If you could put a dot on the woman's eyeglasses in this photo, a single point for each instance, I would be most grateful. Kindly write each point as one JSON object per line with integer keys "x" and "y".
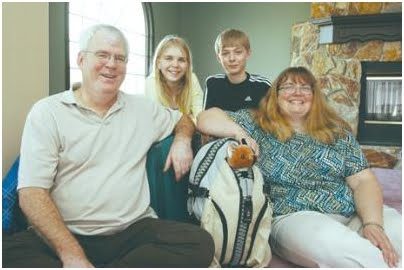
{"x": 292, "y": 88}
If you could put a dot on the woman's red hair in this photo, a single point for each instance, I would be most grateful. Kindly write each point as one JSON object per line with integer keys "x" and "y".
{"x": 322, "y": 123}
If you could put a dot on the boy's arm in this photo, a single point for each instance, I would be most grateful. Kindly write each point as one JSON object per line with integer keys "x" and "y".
{"x": 217, "y": 123}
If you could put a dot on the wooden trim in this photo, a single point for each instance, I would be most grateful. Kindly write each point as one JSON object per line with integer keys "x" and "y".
{"x": 341, "y": 29}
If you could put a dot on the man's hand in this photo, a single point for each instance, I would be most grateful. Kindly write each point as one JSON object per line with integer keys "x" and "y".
{"x": 180, "y": 157}
{"x": 44, "y": 216}
{"x": 77, "y": 263}
{"x": 379, "y": 239}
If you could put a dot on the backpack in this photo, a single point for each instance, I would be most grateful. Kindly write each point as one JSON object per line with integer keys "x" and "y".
{"x": 232, "y": 206}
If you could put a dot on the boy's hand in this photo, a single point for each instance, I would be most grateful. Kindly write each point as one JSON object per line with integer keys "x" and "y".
{"x": 241, "y": 134}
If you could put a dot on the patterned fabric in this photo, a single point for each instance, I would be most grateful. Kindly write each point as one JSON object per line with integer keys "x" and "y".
{"x": 305, "y": 174}
{"x": 9, "y": 194}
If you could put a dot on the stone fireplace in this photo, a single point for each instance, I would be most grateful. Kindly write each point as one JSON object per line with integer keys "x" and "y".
{"x": 338, "y": 65}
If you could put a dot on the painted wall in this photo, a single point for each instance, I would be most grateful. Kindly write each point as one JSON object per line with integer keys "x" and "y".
{"x": 267, "y": 24}
{"x": 25, "y": 70}
{"x": 166, "y": 19}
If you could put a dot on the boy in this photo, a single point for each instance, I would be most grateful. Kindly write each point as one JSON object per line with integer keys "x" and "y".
{"x": 236, "y": 89}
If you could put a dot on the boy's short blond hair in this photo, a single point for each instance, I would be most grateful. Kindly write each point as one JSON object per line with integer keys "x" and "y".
{"x": 231, "y": 38}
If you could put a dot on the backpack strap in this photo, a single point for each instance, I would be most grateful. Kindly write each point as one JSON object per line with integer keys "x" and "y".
{"x": 266, "y": 188}
{"x": 204, "y": 166}
{"x": 197, "y": 191}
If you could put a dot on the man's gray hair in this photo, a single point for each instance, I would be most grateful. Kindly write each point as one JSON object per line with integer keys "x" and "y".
{"x": 88, "y": 34}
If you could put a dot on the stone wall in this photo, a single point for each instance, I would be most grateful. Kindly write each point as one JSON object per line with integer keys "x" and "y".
{"x": 322, "y": 9}
{"x": 338, "y": 66}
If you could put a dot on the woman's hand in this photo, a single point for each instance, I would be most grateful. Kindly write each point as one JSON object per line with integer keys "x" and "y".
{"x": 368, "y": 198}
{"x": 378, "y": 238}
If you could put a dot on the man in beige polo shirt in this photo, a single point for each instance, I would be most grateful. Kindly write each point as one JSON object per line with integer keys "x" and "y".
{"x": 82, "y": 179}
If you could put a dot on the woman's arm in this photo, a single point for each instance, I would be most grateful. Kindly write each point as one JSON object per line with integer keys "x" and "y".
{"x": 368, "y": 199}
{"x": 215, "y": 122}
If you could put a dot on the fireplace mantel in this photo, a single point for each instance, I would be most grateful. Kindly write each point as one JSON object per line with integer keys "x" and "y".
{"x": 341, "y": 29}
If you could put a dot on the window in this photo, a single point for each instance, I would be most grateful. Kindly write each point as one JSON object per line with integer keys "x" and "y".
{"x": 129, "y": 17}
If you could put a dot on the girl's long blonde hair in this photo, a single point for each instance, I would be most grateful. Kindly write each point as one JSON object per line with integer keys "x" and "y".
{"x": 184, "y": 98}
{"x": 322, "y": 123}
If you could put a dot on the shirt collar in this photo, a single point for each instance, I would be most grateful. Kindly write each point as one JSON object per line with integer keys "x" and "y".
{"x": 240, "y": 83}
{"x": 69, "y": 98}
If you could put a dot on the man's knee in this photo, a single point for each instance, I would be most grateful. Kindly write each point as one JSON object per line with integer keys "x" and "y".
{"x": 203, "y": 255}
{"x": 195, "y": 243}
{"x": 202, "y": 249}
{"x": 25, "y": 249}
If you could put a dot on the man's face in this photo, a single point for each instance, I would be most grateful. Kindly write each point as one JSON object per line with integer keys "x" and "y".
{"x": 233, "y": 59}
{"x": 103, "y": 64}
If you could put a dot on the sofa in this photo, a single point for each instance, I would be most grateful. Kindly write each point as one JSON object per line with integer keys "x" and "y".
{"x": 391, "y": 182}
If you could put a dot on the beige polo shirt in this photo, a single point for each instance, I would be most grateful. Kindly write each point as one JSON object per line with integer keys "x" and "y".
{"x": 95, "y": 168}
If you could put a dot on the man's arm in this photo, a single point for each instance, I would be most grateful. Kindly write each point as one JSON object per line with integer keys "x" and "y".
{"x": 368, "y": 199}
{"x": 44, "y": 216}
{"x": 180, "y": 155}
{"x": 217, "y": 123}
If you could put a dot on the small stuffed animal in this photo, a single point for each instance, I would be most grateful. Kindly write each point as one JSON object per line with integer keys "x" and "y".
{"x": 240, "y": 156}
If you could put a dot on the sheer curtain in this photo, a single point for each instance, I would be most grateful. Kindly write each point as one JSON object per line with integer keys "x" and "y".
{"x": 384, "y": 98}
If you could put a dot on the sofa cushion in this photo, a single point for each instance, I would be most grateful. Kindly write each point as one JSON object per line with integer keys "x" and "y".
{"x": 9, "y": 194}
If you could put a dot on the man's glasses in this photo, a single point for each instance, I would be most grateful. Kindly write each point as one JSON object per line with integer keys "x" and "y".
{"x": 104, "y": 57}
{"x": 292, "y": 88}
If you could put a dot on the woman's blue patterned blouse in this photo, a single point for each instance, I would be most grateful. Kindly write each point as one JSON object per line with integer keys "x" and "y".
{"x": 303, "y": 173}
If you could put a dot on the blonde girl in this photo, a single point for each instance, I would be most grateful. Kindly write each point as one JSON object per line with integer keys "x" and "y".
{"x": 172, "y": 82}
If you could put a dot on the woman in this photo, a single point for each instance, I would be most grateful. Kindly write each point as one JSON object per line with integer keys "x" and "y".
{"x": 172, "y": 82}
{"x": 328, "y": 206}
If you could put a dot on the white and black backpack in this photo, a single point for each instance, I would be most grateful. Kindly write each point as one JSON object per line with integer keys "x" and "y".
{"x": 232, "y": 206}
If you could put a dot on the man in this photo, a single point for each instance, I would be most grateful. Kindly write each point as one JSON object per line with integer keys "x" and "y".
{"x": 82, "y": 179}
{"x": 236, "y": 89}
